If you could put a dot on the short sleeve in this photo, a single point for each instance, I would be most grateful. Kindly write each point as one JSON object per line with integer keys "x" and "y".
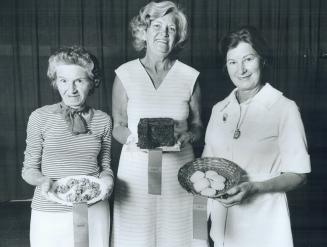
{"x": 292, "y": 141}
{"x": 208, "y": 150}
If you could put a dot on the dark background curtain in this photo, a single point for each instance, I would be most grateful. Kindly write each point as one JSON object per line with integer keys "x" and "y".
{"x": 296, "y": 29}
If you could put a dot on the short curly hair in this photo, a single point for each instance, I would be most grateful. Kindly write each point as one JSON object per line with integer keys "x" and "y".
{"x": 152, "y": 11}
{"x": 250, "y": 35}
{"x": 75, "y": 55}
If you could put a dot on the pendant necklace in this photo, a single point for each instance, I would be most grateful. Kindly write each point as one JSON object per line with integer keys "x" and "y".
{"x": 237, "y": 132}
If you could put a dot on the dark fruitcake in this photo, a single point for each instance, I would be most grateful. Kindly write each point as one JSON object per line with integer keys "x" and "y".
{"x": 155, "y": 132}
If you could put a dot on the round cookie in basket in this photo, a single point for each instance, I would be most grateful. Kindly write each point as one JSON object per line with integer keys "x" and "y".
{"x": 209, "y": 177}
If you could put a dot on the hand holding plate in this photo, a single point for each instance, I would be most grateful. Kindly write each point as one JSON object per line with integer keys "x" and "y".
{"x": 108, "y": 186}
{"x": 46, "y": 186}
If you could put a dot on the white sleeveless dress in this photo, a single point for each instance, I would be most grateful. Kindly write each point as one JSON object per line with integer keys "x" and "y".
{"x": 140, "y": 219}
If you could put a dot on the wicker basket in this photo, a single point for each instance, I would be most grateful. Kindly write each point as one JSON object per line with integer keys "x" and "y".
{"x": 223, "y": 167}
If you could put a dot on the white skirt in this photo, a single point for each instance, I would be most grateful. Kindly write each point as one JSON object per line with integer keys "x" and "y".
{"x": 53, "y": 229}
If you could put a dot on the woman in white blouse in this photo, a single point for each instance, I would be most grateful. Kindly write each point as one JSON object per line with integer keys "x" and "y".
{"x": 261, "y": 130}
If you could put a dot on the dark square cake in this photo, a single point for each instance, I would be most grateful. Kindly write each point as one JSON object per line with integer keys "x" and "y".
{"x": 155, "y": 132}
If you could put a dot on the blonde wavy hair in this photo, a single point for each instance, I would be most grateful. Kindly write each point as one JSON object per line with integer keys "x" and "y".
{"x": 153, "y": 10}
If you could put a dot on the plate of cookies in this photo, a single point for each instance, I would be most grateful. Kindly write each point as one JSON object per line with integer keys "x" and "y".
{"x": 76, "y": 189}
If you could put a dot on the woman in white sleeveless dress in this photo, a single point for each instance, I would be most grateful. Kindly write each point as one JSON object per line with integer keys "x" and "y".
{"x": 156, "y": 85}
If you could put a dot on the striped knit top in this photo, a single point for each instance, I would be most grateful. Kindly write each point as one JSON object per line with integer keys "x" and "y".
{"x": 171, "y": 99}
{"x": 52, "y": 149}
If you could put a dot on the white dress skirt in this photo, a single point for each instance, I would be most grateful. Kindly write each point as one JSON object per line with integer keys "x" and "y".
{"x": 54, "y": 229}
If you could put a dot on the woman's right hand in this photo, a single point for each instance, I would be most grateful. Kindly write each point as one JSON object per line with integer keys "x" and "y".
{"x": 131, "y": 143}
{"x": 237, "y": 194}
{"x": 46, "y": 186}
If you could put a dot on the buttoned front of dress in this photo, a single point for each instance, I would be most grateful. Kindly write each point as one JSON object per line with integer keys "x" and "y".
{"x": 271, "y": 141}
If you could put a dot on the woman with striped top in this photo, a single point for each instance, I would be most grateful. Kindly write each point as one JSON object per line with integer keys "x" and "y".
{"x": 156, "y": 85}
{"x": 64, "y": 139}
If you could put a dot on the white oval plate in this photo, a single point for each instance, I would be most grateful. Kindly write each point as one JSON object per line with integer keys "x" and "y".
{"x": 60, "y": 197}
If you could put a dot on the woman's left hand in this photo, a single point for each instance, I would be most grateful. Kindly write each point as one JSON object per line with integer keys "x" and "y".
{"x": 108, "y": 186}
{"x": 185, "y": 137}
{"x": 237, "y": 194}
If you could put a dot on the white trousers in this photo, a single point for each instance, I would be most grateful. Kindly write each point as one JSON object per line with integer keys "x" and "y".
{"x": 54, "y": 229}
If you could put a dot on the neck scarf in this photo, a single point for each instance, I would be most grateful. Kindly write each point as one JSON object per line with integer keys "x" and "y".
{"x": 74, "y": 119}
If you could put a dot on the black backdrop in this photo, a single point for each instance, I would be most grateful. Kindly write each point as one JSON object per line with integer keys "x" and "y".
{"x": 296, "y": 30}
